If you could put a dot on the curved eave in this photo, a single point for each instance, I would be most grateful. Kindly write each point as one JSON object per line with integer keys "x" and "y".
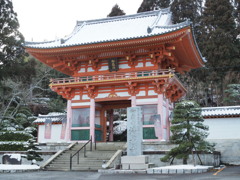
{"x": 183, "y": 39}
{"x": 187, "y": 50}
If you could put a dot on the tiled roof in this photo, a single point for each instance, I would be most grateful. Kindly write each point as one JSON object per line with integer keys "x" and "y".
{"x": 221, "y": 111}
{"x": 55, "y": 117}
{"x": 117, "y": 28}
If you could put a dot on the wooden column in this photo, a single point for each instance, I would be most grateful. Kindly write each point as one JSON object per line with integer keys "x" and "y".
{"x": 133, "y": 101}
{"x": 111, "y": 125}
{"x": 167, "y": 120}
{"x": 69, "y": 121}
{"x": 160, "y": 111}
{"x": 92, "y": 119}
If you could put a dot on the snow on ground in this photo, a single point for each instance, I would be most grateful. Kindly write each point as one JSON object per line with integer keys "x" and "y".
{"x": 18, "y": 167}
{"x": 188, "y": 166}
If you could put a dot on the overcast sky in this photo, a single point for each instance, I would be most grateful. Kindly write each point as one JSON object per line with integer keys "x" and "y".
{"x": 50, "y": 19}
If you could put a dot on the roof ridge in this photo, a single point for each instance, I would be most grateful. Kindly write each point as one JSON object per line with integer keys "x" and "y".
{"x": 110, "y": 19}
{"x": 221, "y": 107}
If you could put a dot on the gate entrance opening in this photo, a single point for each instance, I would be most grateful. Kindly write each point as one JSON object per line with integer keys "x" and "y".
{"x": 113, "y": 119}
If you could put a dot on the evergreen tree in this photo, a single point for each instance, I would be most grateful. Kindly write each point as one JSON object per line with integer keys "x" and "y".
{"x": 188, "y": 132}
{"x": 10, "y": 37}
{"x": 116, "y": 11}
{"x": 150, "y": 5}
{"x": 32, "y": 153}
{"x": 186, "y": 9}
{"x": 219, "y": 44}
{"x": 237, "y": 15}
{"x": 233, "y": 94}
{"x": 219, "y": 33}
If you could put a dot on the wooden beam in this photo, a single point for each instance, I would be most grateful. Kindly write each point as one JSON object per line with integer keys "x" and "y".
{"x": 58, "y": 64}
{"x": 171, "y": 48}
{"x": 51, "y": 61}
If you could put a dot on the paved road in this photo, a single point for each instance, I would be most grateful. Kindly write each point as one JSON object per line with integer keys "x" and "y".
{"x": 229, "y": 173}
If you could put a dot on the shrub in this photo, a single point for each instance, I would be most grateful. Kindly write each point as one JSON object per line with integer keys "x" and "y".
{"x": 15, "y": 136}
{"x": 12, "y": 146}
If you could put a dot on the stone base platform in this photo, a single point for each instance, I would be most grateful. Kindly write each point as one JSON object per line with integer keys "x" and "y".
{"x": 161, "y": 170}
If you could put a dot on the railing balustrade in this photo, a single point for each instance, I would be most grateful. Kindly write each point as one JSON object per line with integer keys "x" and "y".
{"x": 111, "y": 76}
{"x": 84, "y": 148}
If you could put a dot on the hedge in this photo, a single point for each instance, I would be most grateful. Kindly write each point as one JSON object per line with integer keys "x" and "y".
{"x": 15, "y": 136}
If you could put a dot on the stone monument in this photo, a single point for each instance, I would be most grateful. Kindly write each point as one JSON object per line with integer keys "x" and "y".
{"x": 134, "y": 158}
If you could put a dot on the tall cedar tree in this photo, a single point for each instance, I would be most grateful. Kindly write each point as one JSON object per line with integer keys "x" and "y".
{"x": 237, "y": 15}
{"x": 188, "y": 132}
{"x": 116, "y": 11}
{"x": 219, "y": 34}
{"x": 10, "y": 37}
{"x": 186, "y": 9}
{"x": 220, "y": 45}
{"x": 150, "y": 5}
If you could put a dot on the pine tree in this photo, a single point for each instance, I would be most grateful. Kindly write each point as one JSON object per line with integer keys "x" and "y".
{"x": 150, "y": 5}
{"x": 32, "y": 153}
{"x": 10, "y": 37}
{"x": 188, "y": 132}
{"x": 116, "y": 11}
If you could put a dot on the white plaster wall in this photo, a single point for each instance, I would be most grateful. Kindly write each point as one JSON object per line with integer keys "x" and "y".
{"x": 55, "y": 134}
{"x": 148, "y": 64}
{"x": 223, "y": 128}
{"x": 102, "y": 95}
{"x": 142, "y": 93}
{"x": 103, "y": 68}
{"x": 124, "y": 66}
{"x": 151, "y": 93}
{"x": 85, "y": 97}
{"x": 90, "y": 69}
{"x": 122, "y": 94}
{"x": 76, "y": 97}
{"x": 164, "y": 115}
{"x": 82, "y": 70}
{"x": 146, "y": 101}
{"x": 140, "y": 65}
{"x": 81, "y": 104}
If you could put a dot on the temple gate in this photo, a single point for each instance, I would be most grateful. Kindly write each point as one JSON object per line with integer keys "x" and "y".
{"x": 120, "y": 62}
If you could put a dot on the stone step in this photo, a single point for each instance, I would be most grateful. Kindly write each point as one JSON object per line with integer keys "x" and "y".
{"x": 80, "y": 163}
{"x": 81, "y": 160}
{"x": 76, "y": 166}
{"x": 93, "y": 160}
{"x": 73, "y": 169}
{"x": 88, "y": 161}
{"x": 88, "y": 155}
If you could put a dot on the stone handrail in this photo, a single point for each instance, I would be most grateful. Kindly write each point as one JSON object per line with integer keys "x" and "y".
{"x": 113, "y": 159}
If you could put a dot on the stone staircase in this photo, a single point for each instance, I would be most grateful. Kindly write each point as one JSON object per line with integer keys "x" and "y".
{"x": 93, "y": 160}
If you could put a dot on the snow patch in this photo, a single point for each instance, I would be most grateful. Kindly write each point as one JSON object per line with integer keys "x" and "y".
{"x": 14, "y": 156}
{"x": 119, "y": 127}
{"x": 18, "y": 167}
